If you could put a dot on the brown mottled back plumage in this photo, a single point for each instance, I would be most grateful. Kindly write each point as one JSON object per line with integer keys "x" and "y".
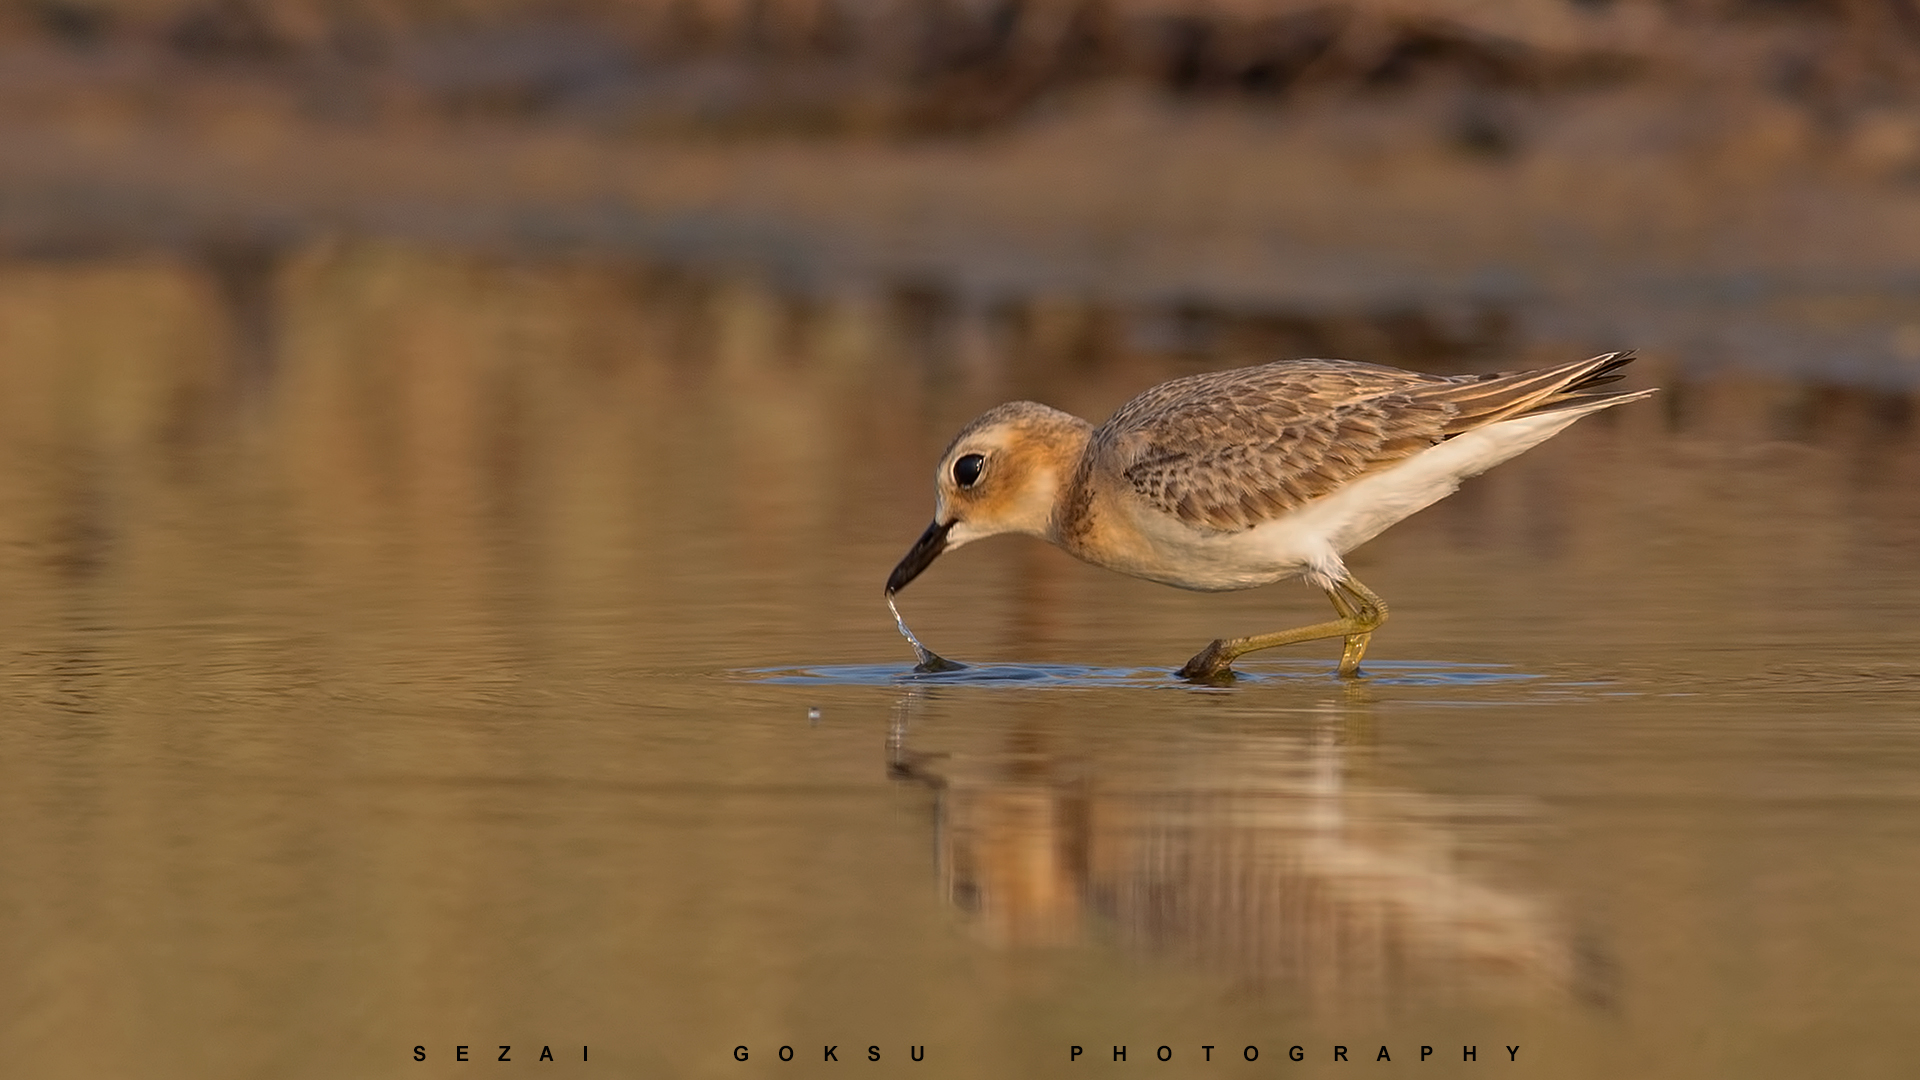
{"x": 1229, "y": 450}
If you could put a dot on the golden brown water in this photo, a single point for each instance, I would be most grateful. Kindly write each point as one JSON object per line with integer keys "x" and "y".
{"x": 441, "y": 650}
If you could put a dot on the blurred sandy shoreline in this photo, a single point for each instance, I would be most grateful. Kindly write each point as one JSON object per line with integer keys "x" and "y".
{"x": 1650, "y": 204}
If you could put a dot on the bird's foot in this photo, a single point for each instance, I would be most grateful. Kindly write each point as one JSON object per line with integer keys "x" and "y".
{"x": 1211, "y": 665}
{"x": 1350, "y": 654}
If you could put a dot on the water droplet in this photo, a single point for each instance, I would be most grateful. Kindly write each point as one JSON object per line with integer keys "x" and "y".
{"x": 930, "y": 661}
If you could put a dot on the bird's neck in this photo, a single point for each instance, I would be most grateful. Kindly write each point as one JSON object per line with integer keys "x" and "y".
{"x": 1070, "y": 505}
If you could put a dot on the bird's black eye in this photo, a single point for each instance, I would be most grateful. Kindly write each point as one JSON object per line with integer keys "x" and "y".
{"x": 966, "y": 469}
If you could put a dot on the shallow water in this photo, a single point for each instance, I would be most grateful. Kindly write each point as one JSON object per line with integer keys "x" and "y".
{"x": 442, "y": 650}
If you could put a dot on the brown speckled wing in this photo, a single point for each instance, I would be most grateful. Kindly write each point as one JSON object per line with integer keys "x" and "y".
{"x": 1229, "y": 450}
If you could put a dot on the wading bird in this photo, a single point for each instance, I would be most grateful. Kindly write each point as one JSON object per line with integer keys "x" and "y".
{"x": 1234, "y": 479}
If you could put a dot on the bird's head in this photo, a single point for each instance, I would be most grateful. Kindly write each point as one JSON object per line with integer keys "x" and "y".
{"x": 1001, "y": 474}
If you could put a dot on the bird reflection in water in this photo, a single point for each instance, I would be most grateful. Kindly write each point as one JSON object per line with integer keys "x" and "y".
{"x": 1262, "y": 856}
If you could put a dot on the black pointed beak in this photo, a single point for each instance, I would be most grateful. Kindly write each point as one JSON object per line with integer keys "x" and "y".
{"x": 919, "y": 557}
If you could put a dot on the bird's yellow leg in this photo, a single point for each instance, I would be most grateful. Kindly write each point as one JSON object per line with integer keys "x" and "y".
{"x": 1356, "y": 644}
{"x": 1363, "y": 606}
{"x": 1361, "y": 613}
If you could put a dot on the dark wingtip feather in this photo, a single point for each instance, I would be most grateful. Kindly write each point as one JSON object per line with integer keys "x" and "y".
{"x": 1608, "y": 370}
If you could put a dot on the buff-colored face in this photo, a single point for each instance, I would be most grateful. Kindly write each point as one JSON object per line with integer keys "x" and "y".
{"x": 1000, "y": 475}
